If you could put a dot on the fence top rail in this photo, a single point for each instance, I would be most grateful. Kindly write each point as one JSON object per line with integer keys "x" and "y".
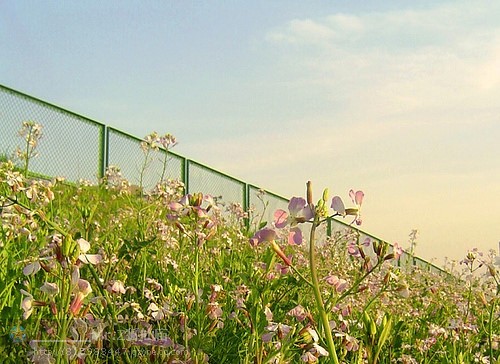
{"x": 190, "y": 161}
{"x": 126, "y": 135}
{"x": 54, "y": 106}
{"x": 269, "y": 192}
{"x": 379, "y": 239}
{"x": 137, "y": 139}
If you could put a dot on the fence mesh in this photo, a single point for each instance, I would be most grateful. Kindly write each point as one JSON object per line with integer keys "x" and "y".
{"x": 79, "y": 148}
{"x": 70, "y": 145}
{"x": 222, "y": 187}
{"x": 262, "y": 205}
{"x": 124, "y": 151}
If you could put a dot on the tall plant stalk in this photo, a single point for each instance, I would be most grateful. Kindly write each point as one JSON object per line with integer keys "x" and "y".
{"x": 315, "y": 283}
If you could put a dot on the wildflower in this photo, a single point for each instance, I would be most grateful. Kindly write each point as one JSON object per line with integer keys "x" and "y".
{"x": 299, "y": 212}
{"x": 339, "y": 207}
{"x": 268, "y": 235}
{"x": 27, "y": 304}
{"x": 308, "y": 335}
{"x": 397, "y": 251}
{"x": 312, "y": 355}
{"x": 264, "y": 235}
{"x": 115, "y": 287}
{"x": 155, "y": 312}
{"x": 478, "y": 358}
{"x": 402, "y": 290}
{"x": 87, "y": 258}
{"x": 51, "y": 289}
{"x": 214, "y": 311}
{"x": 31, "y": 268}
{"x": 350, "y": 343}
{"x": 298, "y": 312}
{"x": 155, "y": 284}
{"x": 276, "y": 329}
{"x": 82, "y": 290}
{"x": 150, "y": 142}
{"x": 167, "y": 141}
{"x": 282, "y": 268}
{"x": 339, "y": 284}
{"x": 353, "y": 249}
{"x": 14, "y": 179}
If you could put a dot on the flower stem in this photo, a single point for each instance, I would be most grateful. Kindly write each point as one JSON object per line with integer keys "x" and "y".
{"x": 317, "y": 294}
{"x": 27, "y": 155}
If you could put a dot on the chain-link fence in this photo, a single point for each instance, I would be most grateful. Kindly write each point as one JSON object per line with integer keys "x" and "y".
{"x": 70, "y": 144}
{"x": 141, "y": 167}
{"x": 75, "y": 147}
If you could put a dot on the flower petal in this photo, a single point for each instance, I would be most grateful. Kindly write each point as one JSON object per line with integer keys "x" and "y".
{"x": 295, "y": 236}
{"x": 352, "y": 195}
{"x": 50, "y": 288}
{"x": 338, "y": 205}
{"x": 307, "y": 213}
{"x": 84, "y": 245}
{"x": 358, "y": 198}
{"x": 296, "y": 204}
{"x": 280, "y": 218}
{"x": 90, "y": 258}
{"x": 31, "y": 268}
{"x": 265, "y": 234}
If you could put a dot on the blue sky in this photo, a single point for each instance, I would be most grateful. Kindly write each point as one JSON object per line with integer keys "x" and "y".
{"x": 398, "y": 98}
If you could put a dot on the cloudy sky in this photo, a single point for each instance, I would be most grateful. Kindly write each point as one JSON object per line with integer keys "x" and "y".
{"x": 398, "y": 98}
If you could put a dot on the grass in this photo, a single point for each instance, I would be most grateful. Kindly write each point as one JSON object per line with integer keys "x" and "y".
{"x": 181, "y": 282}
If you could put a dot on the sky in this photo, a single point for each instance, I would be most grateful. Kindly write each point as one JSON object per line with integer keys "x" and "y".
{"x": 400, "y": 99}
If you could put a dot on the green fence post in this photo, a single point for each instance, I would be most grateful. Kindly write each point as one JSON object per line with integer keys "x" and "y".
{"x": 103, "y": 152}
{"x": 246, "y": 203}
{"x": 106, "y": 153}
{"x": 186, "y": 175}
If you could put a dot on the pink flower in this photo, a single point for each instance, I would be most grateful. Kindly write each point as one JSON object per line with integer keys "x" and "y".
{"x": 82, "y": 290}
{"x": 27, "y": 304}
{"x": 264, "y": 235}
{"x": 298, "y": 312}
{"x": 397, "y": 251}
{"x": 85, "y": 258}
{"x": 115, "y": 287}
{"x": 299, "y": 212}
{"x": 276, "y": 329}
{"x": 353, "y": 249}
{"x": 339, "y": 284}
{"x": 339, "y": 207}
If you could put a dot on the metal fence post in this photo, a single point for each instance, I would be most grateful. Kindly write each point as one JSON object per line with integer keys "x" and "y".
{"x": 103, "y": 152}
{"x": 329, "y": 227}
{"x": 185, "y": 175}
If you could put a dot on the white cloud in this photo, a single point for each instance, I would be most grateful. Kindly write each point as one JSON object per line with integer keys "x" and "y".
{"x": 409, "y": 110}
{"x": 303, "y": 31}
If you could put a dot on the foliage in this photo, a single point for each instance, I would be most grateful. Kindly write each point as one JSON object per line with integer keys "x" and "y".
{"x": 106, "y": 273}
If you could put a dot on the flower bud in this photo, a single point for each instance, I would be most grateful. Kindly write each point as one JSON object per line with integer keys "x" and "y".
{"x": 482, "y": 297}
{"x": 53, "y": 308}
{"x": 352, "y": 211}
{"x": 325, "y": 195}
{"x": 389, "y": 256}
{"x": 280, "y": 253}
{"x": 492, "y": 270}
{"x": 309, "y": 193}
